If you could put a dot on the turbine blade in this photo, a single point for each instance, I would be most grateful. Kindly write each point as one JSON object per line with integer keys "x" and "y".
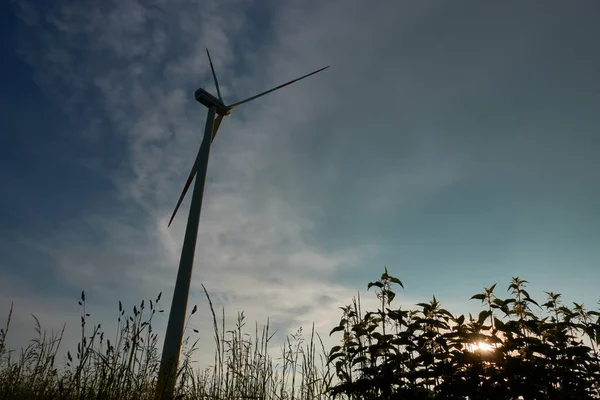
{"x": 214, "y": 76}
{"x": 185, "y": 189}
{"x": 216, "y": 126}
{"x": 239, "y": 103}
{"x": 202, "y": 151}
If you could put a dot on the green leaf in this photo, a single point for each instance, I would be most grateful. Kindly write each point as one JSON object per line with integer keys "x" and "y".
{"x": 336, "y": 329}
{"x": 529, "y": 299}
{"x": 390, "y": 296}
{"x": 371, "y": 284}
{"x": 483, "y": 315}
{"x": 499, "y": 303}
{"x": 334, "y": 356}
{"x": 479, "y": 296}
{"x": 498, "y": 324}
{"x": 334, "y": 349}
{"x": 393, "y": 279}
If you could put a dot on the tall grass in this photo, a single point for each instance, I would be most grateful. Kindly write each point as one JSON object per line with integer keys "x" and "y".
{"x": 532, "y": 351}
{"x": 125, "y": 366}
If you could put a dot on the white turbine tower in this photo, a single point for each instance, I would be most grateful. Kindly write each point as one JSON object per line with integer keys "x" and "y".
{"x": 175, "y": 327}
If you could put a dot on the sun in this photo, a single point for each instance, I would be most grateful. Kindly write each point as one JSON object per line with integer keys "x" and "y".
{"x": 482, "y": 346}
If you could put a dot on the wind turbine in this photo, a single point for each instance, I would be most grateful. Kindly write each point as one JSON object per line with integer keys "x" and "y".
{"x": 175, "y": 327}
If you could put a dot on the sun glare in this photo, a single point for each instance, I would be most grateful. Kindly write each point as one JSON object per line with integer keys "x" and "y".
{"x": 480, "y": 346}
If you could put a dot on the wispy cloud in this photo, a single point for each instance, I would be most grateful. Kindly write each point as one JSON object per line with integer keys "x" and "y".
{"x": 327, "y": 179}
{"x": 132, "y": 66}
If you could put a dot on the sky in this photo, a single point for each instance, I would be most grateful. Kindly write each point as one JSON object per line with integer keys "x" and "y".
{"x": 455, "y": 143}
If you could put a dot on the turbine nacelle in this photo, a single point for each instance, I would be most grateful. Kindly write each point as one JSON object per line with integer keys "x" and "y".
{"x": 208, "y": 100}
{"x": 222, "y": 110}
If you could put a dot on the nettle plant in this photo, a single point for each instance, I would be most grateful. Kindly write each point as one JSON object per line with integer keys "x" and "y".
{"x": 515, "y": 348}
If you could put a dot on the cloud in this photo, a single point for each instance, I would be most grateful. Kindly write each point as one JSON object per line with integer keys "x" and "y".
{"x": 260, "y": 245}
{"x": 305, "y": 185}
{"x": 133, "y": 68}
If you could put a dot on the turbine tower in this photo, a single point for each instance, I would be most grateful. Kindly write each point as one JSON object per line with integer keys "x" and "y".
{"x": 175, "y": 327}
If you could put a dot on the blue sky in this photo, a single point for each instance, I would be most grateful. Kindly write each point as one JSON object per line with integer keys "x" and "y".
{"x": 455, "y": 143}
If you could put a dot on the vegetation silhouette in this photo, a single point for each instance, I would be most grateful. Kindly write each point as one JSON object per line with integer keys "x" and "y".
{"x": 508, "y": 351}
{"x": 515, "y": 348}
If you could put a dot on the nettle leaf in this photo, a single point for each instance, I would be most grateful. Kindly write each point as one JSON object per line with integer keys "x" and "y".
{"x": 479, "y": 296}
{"x": 549, "y": 304}
{"x": 334, "y": 349}
{"x": 339, "y": 367}
{"x": 530, "y": 300}
{"x": 499, "y": 302}
{"x": 378, "y": 284}
{"x": 498, "y": 323}
{"x": 483, "y": 315}
{"x": 390, "y": 296}
{"x": 336, "y": 329}
{"x": 393, "y": 279}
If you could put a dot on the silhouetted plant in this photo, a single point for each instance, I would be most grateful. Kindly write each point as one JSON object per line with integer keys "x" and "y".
{"x": 126, "y": 367}
{"x": 507, "y": 351}
{"x": 514, "y": 348}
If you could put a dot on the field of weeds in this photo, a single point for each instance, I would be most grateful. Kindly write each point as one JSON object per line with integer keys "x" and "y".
{"x": 515, "y": 348}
